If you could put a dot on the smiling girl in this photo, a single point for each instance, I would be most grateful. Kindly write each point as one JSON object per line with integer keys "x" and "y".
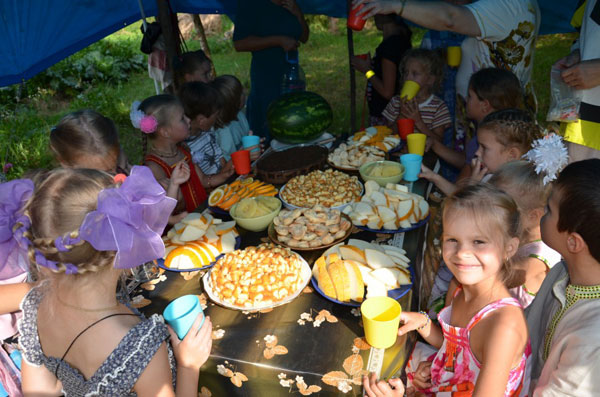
{"x": 481, "y": 347}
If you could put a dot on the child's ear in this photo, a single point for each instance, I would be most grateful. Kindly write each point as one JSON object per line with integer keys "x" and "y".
{"x": 512, "y": 246}
{"x": 576, "y": 243}
{"x": 514, "y": 153}
{"x": 536, "y": 214}
{"x": 487, "y": 107}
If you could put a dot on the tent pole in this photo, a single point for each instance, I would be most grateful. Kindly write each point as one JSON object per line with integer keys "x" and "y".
{"x": 352, "y": 75}
{"x": 203, "y": 41}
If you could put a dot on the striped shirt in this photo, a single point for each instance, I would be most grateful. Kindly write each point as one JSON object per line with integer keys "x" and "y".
{"x": 434, "y": 112}
{"x": 206, "y": 153}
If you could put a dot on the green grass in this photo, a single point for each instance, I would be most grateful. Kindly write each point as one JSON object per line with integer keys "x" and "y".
{"x": 24, "y": 127}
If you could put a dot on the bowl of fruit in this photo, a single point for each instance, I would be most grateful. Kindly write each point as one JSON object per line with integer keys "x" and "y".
{"x": 382, "y": 172}
{"x": 255, "y": 213}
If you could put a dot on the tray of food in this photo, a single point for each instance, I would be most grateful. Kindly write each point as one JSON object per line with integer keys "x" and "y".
{"x": 330, "y": 188}
{"x": 389, "y": 209}
{"x": 197, "y": 241}
{"x": 348, "y": 274}
{"x": 280, "y": 167}
{"x": 310, "y": 229}
{"x": 348, "y": 157}
{"x": 380, "y": 136}
{"x": 257, "y": 278}
{"x": 225, "y": 196}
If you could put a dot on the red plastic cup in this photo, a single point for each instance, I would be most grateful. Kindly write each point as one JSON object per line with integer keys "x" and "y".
{"x": 363, "y": 56}
{"x": 405, "y": 127}
{"x": 355, "y": 22}
{"x": 241, "y": 162}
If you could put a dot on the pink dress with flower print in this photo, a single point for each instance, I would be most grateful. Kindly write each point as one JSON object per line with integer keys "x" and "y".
{"x": 455, "y": 369}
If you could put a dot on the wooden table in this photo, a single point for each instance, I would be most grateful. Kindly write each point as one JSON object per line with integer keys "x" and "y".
{"x": 310, "y": 337}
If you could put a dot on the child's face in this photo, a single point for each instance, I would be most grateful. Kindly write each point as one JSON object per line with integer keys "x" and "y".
{"x": 471, "y": 255}
{"x": 549, "y": 224}
{"x": 179, "y": 126}
{"x": 491, "y": 152}
{"x": 416, "y": 71}
{"x": 202, "y": 74}
{"x": 203, "y": 123}
{"x": 477, "y": 108}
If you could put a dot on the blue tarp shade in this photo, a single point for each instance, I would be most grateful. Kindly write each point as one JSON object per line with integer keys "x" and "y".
{"x": 38, "y": 33}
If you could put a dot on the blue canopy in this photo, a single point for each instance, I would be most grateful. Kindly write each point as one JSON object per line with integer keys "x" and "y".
{"x": 38, "y": 33}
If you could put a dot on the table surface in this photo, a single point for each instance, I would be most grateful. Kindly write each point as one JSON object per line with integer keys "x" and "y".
{"x": 264, "y": 353}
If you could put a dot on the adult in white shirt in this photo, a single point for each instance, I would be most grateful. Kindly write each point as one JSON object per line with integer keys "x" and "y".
{"x": 501, "y": 33}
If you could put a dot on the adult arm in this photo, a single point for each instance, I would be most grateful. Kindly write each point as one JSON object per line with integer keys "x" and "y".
{"x": 436, "y": 15}
{"x": 296, "y": 11}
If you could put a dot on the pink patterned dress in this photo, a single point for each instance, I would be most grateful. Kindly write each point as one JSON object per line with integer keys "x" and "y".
{"x": 455, "y": 369}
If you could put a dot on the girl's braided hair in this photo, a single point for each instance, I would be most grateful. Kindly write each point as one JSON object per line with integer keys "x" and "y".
{"x": 512, "y": 128}
{"x": 62, "y": 199}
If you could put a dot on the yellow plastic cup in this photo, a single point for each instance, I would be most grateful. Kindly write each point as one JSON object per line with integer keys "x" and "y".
{"x": 409, "y": 89}
{"x": 381, "y": 319}
{"x": 453, "y": 56}
{"x": 416, "y": 143}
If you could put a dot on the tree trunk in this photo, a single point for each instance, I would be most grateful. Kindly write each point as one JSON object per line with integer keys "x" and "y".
{"x": 166, "y": 24}
{"x": 352, "y": 75}
{"x": 203, "y": 42}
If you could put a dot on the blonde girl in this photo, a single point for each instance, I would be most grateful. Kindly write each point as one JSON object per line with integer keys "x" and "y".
{"x": 481, "y": 347}
{"x": 81, "y": 229}
{"x": 429, "y": 111}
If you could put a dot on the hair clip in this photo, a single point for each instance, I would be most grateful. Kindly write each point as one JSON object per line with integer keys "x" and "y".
{"x": 119, "y": 178}
{"x": 549, "y": 155}
{"x": 140, "y": 120}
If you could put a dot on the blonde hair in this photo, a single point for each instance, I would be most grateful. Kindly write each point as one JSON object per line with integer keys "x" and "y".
{"x": 431, "y": 59}
{"x": 161, "y": 107}
{"x": 62, "y": 199}
{"x": 512, "y": 128}
{"x": 521, "y": 177}
{"x": 494, "y": 212}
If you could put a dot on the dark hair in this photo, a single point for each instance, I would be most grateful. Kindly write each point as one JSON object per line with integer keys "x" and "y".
{"x": 159, "y": 106}
{"x": 82, "y": 133}
{"x": 512, "y": 128}
{"x": 199, "y": 98}
{"x": 500, "y": 87}
{"x": 230, "y": 90}
{"x": 579, "y": 207}
{"x": 431, "y": 59}
{"x": 187, "y": 63}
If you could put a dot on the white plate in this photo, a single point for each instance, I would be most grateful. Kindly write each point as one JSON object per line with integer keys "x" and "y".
{"x": 337, "y": 207}
{"x": 279, "y": 146}
{"x": 306, "y": 275}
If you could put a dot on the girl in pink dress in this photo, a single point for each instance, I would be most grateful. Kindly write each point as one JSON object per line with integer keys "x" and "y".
{"x": 481, "y": 347}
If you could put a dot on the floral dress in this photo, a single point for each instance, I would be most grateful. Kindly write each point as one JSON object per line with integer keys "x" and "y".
{"x": 455, "y": 368}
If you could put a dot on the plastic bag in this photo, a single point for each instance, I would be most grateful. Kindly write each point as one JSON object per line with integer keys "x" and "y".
{"x": 564, "y": 100}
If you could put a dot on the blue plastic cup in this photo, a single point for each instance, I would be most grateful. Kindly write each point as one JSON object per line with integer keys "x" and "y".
{"x": 412, "y": 166}
{"x": 251, "y": 140}
{"x": 181, "y": 314}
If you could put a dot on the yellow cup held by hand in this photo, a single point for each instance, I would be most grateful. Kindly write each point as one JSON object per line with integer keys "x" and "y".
{"x": 381, "y": 319}
{"x": 416, "y": 143}
{"x": 410, "y": 89}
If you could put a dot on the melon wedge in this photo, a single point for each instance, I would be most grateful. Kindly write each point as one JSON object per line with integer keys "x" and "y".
{"x": 324, "y": 280}
{"x": 424, "y": 207}
{"x": 341, "y": 282}
{"x": 224, "y": 227}
{"x": 191, "y": 233}
{"x": 350, "y": 252}
{"x": 194, "y": 219}
{"x": 404, "y": 209}
{"x": 356, "y": 284}
{"x": 227, "y": 242}
{"x": 377, "y": 259}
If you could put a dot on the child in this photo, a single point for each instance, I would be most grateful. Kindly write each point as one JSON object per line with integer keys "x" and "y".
{"x": 231, "y": 122}
{"x": 201, "y": 104}
{"x": 429, "y": 112}
{"x": 503, "y": 136}
{"x": 564, "y": 318}
{"x": 163, "y": 123}
{"x": 77, "y": 302}
{"x": 534, "y": 259}
{"x": 191, "y": 66}
{"x": 483, "y": 343}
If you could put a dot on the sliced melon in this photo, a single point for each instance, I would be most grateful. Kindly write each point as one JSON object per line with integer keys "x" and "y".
{"x": 227, "y": 242}
{"x": 357, "y": 286}
{"x": 191, "y": 233}
{"x": 377, "y": 259}
{"x": 350, "y": 252}
{"x": 224, "y": 227}
{"x": 324, "y": 280}
{"x": 341, "y": 282}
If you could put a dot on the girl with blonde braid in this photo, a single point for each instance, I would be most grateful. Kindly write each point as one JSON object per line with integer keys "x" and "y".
{"x": 81, "y": 229}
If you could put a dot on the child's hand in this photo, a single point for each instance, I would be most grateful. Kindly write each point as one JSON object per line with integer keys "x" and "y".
{"x": 362, "y": 65}
{"x": 374, "y": 388}
{"x": 173, "y": 219}
{"x": 193, "y": 351}
{"x": 410, "y": 110}
{"x": 228, "y": 168}
{"x": 479, "y": 170}
{"x": 427, "y": 173}
{"x": 411, "y": 321}
{"x": 422, "y": 375}
{"x": 181, "y": 173}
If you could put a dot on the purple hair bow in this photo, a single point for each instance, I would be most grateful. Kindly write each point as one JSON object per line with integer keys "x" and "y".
{"x": 13, "y": 245}
{"x": 130, "y": 219}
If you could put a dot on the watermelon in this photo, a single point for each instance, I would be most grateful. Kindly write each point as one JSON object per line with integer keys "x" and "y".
{"x": 299, "y": 117}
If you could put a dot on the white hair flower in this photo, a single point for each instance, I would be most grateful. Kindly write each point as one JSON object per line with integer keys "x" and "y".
{"x": 549, "y": 155}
